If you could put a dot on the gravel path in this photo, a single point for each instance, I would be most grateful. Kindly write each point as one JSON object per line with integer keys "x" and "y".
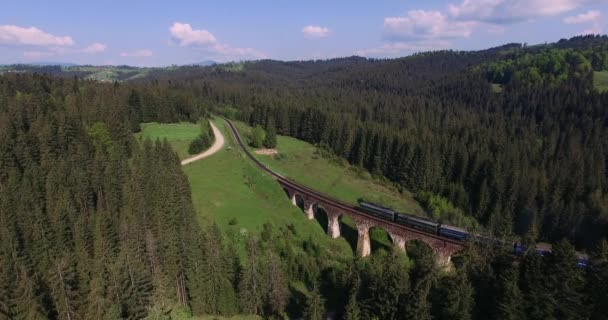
{"x": 217, "y": 145}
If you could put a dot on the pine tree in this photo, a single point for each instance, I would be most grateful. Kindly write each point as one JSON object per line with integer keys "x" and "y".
{"x": 270, "y": 141}
{"x": 278, "y": 295}
{"x": 250, "y": 286}
{"x": 315, "y": 304}
{"x": 352, "y": 310}
{"x": 257, "y": 137}
{"x": 598, "y": 281}
{"x": 566, "y": 279}
{"x": 64, "y": 287}
{"x": 454, "y": 297}
{"x": 27, "y": 305}
{"x": 510, "y": 300}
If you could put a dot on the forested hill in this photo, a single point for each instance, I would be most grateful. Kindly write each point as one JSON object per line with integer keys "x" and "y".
{"x": 515, "y": 136}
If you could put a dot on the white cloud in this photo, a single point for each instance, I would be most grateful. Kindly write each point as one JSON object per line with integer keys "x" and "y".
{"x": 59, "y": 51}
{"x": 94, "y": 48}
{"x": 399, "y": 48}
{"x": 421, "y": 24}
{"x": 510, "y": 11}
{"x": 31, "y": 36}
{"x": 186, "y": 36}
{"x": 313, "y": 32}
{"x": 589, "y": 16}
{"x": 593, "y": 17}
{"x": 138, "y": 54}
{"x": 204, "y": 40}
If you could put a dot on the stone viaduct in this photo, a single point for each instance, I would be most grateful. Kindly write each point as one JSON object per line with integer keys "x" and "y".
{"x": 444, "y": 248}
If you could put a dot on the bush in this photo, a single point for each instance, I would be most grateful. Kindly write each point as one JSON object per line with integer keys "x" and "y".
{"x": 203, "y": 141}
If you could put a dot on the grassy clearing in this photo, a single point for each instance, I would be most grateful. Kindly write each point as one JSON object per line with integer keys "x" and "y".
{"x": 297, "y": 160}
{"x": 178, "y": 135}
{"x": 600, "y": 80}
{"x": 228, "y": 188}
{"x": 496, "y": 87}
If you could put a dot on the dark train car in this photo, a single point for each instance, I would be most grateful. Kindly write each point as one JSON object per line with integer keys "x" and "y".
{"x": 377, "y": 210}
{"x": 582, "y": 262}
{"x": 417, "y": 223}
{"x": 453, "y": 232}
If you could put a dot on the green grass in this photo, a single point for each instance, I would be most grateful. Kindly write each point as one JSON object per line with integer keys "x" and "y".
{"x": 600, "y": 80}
{"x": 496, "y": 87}
{"x": 298, "y": 161}
{"x": 178, "y": 135}
{"x": 227, "y": 186}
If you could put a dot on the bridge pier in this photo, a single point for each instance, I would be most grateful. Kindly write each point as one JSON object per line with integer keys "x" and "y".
{"x": 309, "y": 209}
{"x": 292, "y": 197}
{"x": 333, "y": 224}
{"x": 364, "y": 248}
{"x": 398, "y": 241}
{"x": 444, "y": 252}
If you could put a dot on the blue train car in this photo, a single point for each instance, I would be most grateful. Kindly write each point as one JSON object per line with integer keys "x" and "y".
{"x": 417, "y": 223}
{"x": 377, "y": 210}
{"x": 453, "y": 232}
{"x": 582, "y": 263}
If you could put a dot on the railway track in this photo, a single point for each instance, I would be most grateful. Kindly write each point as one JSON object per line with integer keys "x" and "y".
{"x": 325, "y": 198}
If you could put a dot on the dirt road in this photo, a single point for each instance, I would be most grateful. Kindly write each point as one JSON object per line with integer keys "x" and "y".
{"x": 217, "y": 145}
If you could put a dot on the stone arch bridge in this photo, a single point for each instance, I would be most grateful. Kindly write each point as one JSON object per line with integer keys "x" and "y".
{"x": 443, "y": 247}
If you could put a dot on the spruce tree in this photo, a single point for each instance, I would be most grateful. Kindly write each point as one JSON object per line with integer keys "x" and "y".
{"x": 250, "y": 285}
{"x": 27, "y": 305}
{"x": 315, "y": 304}
{"x": 510, "y": 300}
{"x": 278, "y": 295}
{"x": 257, "y": 137}
{"x": 352, "y": 310}
{"x": 270, "y": 141}
{"x": 597, "y": 280}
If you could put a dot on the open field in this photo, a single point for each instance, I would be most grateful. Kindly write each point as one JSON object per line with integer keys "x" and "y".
{"x": 178, "y": 135}
{"x": 600, "y": 80}
{"x": 297, "y": 160}
{"x": 229, "y": 190}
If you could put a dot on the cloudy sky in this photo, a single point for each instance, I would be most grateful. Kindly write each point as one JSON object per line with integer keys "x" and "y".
{"x": 157, "y": 33}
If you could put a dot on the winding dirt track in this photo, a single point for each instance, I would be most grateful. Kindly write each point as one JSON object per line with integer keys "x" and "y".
{"x": 217, "y": 145}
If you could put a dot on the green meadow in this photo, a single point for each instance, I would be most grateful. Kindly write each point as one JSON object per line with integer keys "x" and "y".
{"x": 600, "y": 80}
{"x": 178, "y": 135}
{"x": 299, "y": 160}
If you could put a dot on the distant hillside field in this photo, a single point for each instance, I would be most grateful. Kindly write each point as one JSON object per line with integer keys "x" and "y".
{"x": 600, "y": 80}
{"x": 179, "y": 135}
{"x": 299, "y": 160}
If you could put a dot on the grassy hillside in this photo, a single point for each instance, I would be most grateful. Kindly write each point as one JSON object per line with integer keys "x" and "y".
{"x": 600, "y": 80}
{"x": 229, "y": 190}
{"x": 298, "y": 160}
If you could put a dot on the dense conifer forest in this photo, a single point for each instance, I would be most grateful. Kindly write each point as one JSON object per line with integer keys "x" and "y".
{"x": 95, "y": 224}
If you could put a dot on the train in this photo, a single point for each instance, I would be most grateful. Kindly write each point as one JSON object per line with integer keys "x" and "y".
{"x": 415, "y": 222}
{"x": 447, "y": 231}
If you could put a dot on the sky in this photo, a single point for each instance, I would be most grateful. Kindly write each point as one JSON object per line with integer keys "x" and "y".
{"x": 161, "y": 33}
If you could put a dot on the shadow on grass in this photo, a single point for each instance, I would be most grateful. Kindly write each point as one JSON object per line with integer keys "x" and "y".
{"x": 348, "y": 231}
{"x": 379, "y": 239}
{"x": 321, "y": 217}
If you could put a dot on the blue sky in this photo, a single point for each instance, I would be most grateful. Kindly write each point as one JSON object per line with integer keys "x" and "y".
{"x": 158, "y": 33}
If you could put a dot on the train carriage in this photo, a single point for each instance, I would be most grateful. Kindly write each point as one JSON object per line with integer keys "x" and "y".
{"x": 453, "y": 232}
{"x": 417, "y": 223}
{"x": 377, "y": 210}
